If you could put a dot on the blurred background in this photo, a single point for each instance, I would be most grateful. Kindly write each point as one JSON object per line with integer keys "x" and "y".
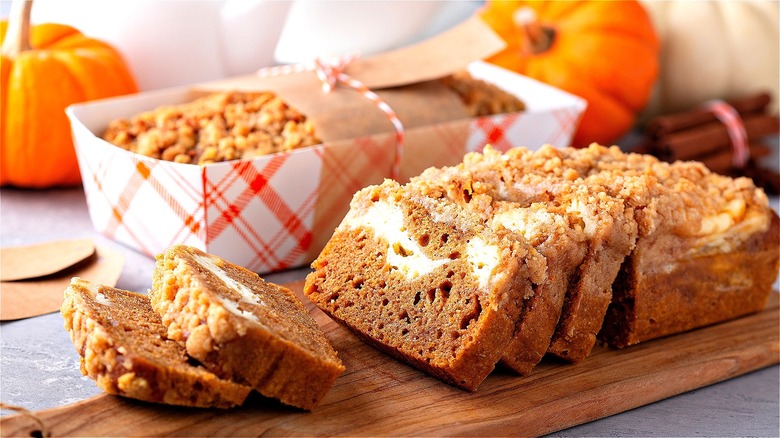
{"x": 707, "y": 49}
{"x": 632, "y": 61}
{"x": 177, "y": 42}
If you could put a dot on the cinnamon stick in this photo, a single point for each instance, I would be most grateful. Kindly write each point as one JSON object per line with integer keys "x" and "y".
{"x": 721, "y": 162}
{"x": 667, "y": 124}
{"x": 711, "y": 137}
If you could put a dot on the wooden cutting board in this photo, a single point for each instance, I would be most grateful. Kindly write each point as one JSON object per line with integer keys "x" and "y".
{"x": 380, "y": 396}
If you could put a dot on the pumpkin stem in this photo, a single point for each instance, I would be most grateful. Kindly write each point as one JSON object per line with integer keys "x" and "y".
{"x": 17, "y": 35}
{"x": 538, "y": 38}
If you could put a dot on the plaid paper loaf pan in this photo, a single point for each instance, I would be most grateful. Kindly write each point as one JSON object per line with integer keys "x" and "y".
{"x": 277, "y": 212}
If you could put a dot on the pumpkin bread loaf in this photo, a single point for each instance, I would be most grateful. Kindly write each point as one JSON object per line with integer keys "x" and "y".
{"x": 544, "y": 207}
{"x": 243, "y": 328}
{"x": 123, "y": 346}
{"x": 425, "y": 280}
{"x": 646, "y": 248}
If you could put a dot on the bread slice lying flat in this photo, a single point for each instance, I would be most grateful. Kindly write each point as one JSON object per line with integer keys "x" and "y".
{"x": 123, "y": 346}
{"x": 243, "y": 328}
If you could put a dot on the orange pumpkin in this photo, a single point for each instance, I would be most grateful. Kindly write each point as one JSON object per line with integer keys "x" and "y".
{"x": 605, "y": 52}
{"x": 44, "y": 69}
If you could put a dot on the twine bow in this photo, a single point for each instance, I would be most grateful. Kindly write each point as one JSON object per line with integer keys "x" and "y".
{"x": 735, "y": 127}
{"x": 331, "y": 73}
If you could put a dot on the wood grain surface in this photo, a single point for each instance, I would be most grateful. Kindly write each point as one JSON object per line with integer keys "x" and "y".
{"x": 380, "y": 396}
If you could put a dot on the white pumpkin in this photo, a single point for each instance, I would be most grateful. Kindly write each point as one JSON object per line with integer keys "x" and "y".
{"x": 718, "y": 49}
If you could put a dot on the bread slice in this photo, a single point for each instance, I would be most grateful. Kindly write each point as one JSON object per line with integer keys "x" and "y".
{"x": 123, "y": 346}
{"x": 584, "y": 233}
{"x": 243, "y": 328}
{"x": 425, "y": 280}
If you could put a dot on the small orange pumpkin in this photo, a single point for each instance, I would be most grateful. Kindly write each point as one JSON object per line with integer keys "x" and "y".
{"x": 605, "y": 52}
{"x": 44, "y": 69}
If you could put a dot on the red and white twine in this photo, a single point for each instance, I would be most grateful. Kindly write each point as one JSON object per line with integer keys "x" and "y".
{"x": 331, "y": 73}
{"x": 730, "y": 118}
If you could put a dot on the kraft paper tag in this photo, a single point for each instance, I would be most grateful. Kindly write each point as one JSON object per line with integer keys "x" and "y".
{"x": 33, "y": 261}
{"x": 43, "y": 294}
{"x": 433, "y": 58}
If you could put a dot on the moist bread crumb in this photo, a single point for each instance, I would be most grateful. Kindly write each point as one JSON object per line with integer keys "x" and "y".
{"x": 123, "y": 346}
{"x": 243, "y": 328}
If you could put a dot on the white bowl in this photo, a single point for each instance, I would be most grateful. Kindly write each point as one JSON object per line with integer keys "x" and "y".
{"x": 331, "y": 28}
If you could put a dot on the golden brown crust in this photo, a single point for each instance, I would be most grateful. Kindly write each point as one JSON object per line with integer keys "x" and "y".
{"x": 123, "y": 347}
{"x": 678, "y": 197}
{"x": 263, "y": 337}
{"x": 243, "y": 125}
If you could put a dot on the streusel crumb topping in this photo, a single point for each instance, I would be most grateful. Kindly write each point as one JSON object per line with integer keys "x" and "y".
{"x": 218, "y": 127}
